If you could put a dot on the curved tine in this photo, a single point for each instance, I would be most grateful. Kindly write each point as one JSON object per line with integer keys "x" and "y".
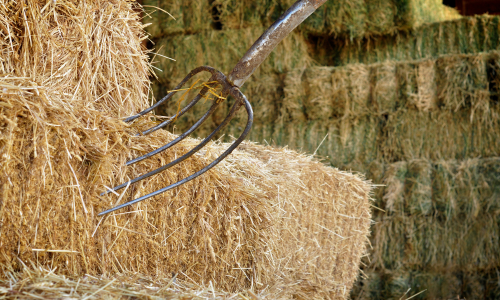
{"x": 179, "y": 114}
{"x": 228, "y": 118}
{"x": 248, "y": 108}
{"x": 188, "y": 76}
{"x": 178, "y": 139}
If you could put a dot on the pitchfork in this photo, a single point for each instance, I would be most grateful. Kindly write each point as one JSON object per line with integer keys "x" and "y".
{"x": 230, "y": 87}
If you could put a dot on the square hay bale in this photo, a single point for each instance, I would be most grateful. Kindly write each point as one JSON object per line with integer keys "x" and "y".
{"x": 383, "y": 78}
{"x": 351, "y": 90}
{"x": 439, "y": 135}
{"x": 468, "y": 35}
{"x": 466, "y": 189}
{"x": 394, "y": 191}
{"x": 493, "y": 73}
{"x": 462, "y": 83}
{"x": 418, "y": 191}
{"x": 353, "y": 140}
{"x": 381, "y": 16}
{"x": 319, "y": 102}
{"x": 263, "y": 219}
{"x": 222, "y": 49}
{"x": 294, "y": 97}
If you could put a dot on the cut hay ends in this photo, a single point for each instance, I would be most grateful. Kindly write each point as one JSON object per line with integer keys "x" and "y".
{"x": 264, "y": 219}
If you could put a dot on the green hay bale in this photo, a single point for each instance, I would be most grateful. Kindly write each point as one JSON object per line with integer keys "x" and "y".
{"x": 406, "y": 84}
{"x": 414, "y": 13}
{"x": 462, "y": 83}
{"x": 294, "y": 97}
{"x": 353, "y": 141}
{"x": 462, "y": 36}
{"x": 493, "y": 74}
{"x": 324, "y": 93}
{"x": 437, "y": 285}
{"x": 439, "y": 135}
{"x": 358, "y": 79}
{"x": 418, "y": 191}
{"x": 466, "y": 189}
{"x": 426, "y": 98}
{"x": 222, "y": 50}
{"x": 394, "y": 191}
{"x": 381, "y": 16}
{"x": 417, "y": 85}
{"x": 425, "y": 243}
{"x": 319, "y": 101}
{"x": 235, "y": 14}
{"x": 383, "y": 78}
{"x": 190, "y": 16}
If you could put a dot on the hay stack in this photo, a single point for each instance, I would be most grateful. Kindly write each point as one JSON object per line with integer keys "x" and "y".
{"x": 468, "y": 35}
{"x": 352, "y": 19}
{"x": 263, "y": 219}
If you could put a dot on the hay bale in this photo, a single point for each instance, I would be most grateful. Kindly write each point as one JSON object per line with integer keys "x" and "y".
{"x": 353, "y": 140}
{"x": 262, "y": 219}
{"x": 440, "y": 216}
{"x": 351, "y": 19}
{"x": 463, "y": 84}
{"x": 177, "y": 17}
{"x": 435, "y": 285}
{"x": 294, "y": 97}
{"x": 222, "y": 50}
{"x": 461, "y": 36}
{"x": 439, "y": 135}
{"x": 383, "y": 78}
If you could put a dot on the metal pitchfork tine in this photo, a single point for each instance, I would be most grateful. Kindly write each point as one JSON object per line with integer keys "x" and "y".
{"x": 231, "y": 85}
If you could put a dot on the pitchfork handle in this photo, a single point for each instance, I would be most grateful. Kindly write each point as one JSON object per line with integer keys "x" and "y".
{"x": 270, "y": 38}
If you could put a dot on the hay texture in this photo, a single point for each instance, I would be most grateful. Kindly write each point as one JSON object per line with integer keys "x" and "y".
{"x": 347, "y": 18}
{"x": 468, "y": 35}
{"x": 264, "y": 219}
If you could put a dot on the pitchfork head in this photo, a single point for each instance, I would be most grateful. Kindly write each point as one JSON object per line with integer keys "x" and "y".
{"x": 217, "y": 79}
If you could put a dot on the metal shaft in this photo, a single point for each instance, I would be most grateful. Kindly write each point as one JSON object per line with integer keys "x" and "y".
{"x": 261, "y": 49}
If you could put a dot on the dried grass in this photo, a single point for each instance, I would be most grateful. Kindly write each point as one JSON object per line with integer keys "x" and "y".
{"x": 468, "y": 35}
{"x": 264, "y": 219}
{"x": 352, "y": 19}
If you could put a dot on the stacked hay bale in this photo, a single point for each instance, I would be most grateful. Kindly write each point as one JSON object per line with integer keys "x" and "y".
{"x": 417, "y": 109}
{"x": 260, "y": 220}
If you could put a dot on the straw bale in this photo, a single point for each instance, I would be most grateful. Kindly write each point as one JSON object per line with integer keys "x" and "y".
{"x": 264, "y": 218}
{"x": 463, "y": 83}
{"x": 46, "y": 284}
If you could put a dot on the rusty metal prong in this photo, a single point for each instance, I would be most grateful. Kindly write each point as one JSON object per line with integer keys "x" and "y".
{"x": 175, "y": 90}
{"x": 178, "y": 139}
{"x": 240, "y": 100}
